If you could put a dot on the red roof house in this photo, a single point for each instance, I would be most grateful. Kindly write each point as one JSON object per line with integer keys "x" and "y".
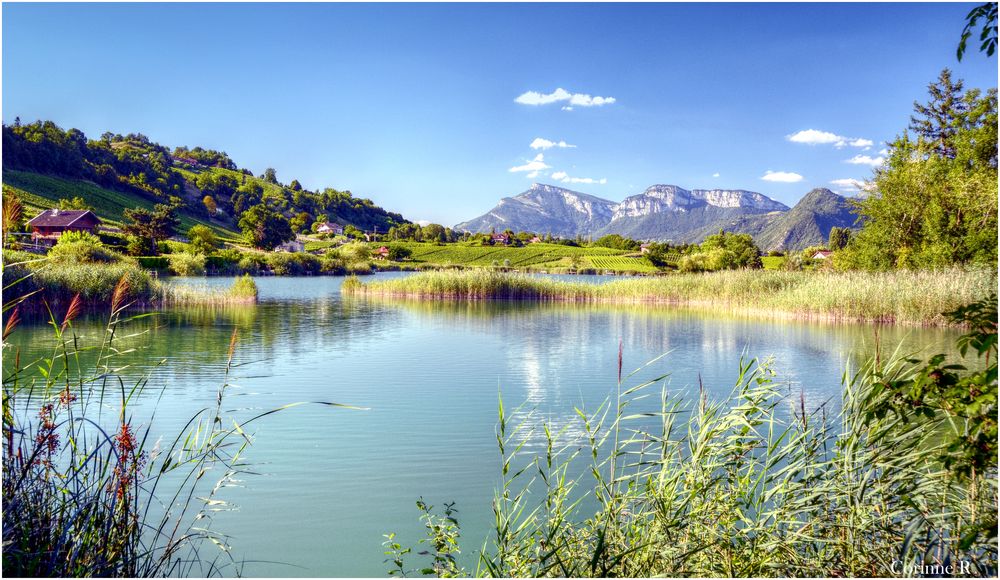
{"x": 47, "y": 226}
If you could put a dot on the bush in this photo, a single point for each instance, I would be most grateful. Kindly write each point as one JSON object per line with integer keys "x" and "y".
{"x": 81, "y": 247}
{"x": 153, "y": 262}
{"x": 284, "y": 264}
{"x": 244, "y": 287}
{"x": 202, "y": 238}
{"x": 252, "y": 263}
{"x": 399, "y": 253}
{"x": 184, "y": 264}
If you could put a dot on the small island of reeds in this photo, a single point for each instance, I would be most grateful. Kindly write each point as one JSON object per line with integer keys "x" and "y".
{"x": 900, "y": 297}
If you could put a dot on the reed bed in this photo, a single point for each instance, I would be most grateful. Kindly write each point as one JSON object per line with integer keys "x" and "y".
{"x": 243, "y": 291}
{"x": 900, "y": 297}
{"x": 754, "y": 485}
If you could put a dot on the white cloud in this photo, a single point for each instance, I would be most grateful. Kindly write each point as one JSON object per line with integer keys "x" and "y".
{"x": 848, "y": 183}
{"x": 782, "y": 176}
{"x": 715, "y": 175}
{"x": 536, "y": 164}
{"x": 561, "y": 95}
{"x": 544, "y": 144}
{"x": 817, "y": 137}
{"x": 565, "y": 178}
{"x": 865, "y": 160}
{"x": 814, "y": 137}
{"x": 883, "y": 152}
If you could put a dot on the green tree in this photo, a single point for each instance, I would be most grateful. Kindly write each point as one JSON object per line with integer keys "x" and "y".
{"x": 839, "y": 238}
{"x": 943, "y": 117}
{"x": 729, "y": 251}
{"x": 934, "y": 202}
{"x": 265, "y": 229}
{"x": 202, "y": 238}
{"x": 399, "y": 253}
{"x": 987, "y": 35}
{"x": 270, "y": 175}
{"x": 153, "y": 226}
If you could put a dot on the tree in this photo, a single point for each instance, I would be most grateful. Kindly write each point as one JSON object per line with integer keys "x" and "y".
{"x": 301, "y": 221}
{"x": 399, "y": 253}
{"x": 153, "y": 226}
{"x": 210, "y": 204}
{"x": 265, "y": 229}
{"x": 270, "y": 175}
{"x": 202, "y": 239}
{"x": 938, "y": 121}
{"x": 353, "y": 232}
{"x": 988, "y": 34}
{"x": 839, "y": 238}
{"x": 728, "y": 251}
{"x": 295, "y": 185}
{"x": 934, "y": 202}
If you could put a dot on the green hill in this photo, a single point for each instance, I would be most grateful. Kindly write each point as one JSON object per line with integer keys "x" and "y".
{"x": 40, "y": 192}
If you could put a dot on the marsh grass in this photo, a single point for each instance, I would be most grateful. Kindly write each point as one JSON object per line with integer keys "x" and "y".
{"x": 243, "y": 291}
{"x": 901, "y": 297}
{"x": 751, "y": 486}
{"x": 85, "y": 492}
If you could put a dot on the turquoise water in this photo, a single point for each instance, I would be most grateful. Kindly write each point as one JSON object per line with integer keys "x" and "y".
{"x": 333, "y": 481}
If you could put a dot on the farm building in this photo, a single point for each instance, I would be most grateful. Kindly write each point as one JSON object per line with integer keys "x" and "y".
{"x": 47, "y": 226}
{"x": 330, "y": 228}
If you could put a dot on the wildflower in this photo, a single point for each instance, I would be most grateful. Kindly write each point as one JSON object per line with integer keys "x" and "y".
{"x": 66, "y": 397}
{"x": 130, "y": 463}
{"x": 47, "y": 439}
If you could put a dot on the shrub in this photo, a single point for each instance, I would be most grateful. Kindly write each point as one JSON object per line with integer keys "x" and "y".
{"x": 184, "y": 264}
{"x": 244, "y": 287}
{"x": 252, "y": 263}
{"x": 202, "y": 239}
{"x": 81, "y": 247}
{"x": 153, "y": 262}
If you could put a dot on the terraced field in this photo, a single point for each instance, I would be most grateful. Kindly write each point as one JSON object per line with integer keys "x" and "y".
{"x": 622, "y": 264}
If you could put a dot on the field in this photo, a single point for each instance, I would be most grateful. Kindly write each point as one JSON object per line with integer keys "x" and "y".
{"x": 545, "y": 256}
{"x": 38, "y": 192}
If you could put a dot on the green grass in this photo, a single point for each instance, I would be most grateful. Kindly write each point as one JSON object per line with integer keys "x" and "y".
{"x": 39, "y": 192}
{"x": 903, "y": 297}
{"x": 772, "y": 262}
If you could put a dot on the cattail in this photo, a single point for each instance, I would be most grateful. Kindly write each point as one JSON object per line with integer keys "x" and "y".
{"x": 620, "y": 348}
{"x": 15, "y": 317}
{"x": 75, "y": 306}
{"x": 232, "y": 342}
{"x": 118, "y": 297}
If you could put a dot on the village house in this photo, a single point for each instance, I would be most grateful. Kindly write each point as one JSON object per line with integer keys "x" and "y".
{"x": 381, "y": 254}
{"x": 822, "y": 255}
{"x": 644, "y": 248}
{"x": 535, "y": 240}
{"x": 500, "y": 239}
{"x": 47, "y": 226}
{"x": 330, "y": 228}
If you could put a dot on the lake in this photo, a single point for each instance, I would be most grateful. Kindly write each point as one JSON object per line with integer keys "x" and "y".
{"x": 333, "y": 481}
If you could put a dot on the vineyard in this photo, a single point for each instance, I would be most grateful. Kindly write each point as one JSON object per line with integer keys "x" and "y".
{"x": 622, "y": 264}
{"x": 532, "y": 255}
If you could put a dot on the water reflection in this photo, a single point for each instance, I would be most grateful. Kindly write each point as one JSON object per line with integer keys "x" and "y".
{"x": 430, "y": 374}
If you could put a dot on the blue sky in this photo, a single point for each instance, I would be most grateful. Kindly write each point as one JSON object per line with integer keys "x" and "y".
{"x": 426, "y": 109}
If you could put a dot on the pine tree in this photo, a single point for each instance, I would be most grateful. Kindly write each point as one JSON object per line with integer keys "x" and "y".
{"x": 940, "y": 119}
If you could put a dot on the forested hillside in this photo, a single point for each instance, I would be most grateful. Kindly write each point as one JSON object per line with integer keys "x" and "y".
{"x": 116, "y": 172}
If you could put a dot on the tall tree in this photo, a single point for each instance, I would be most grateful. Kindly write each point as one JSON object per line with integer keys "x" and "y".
{"x": 934, "y": 202}
{"x": 265, "y": 229}
{"x": 941, "y": 118}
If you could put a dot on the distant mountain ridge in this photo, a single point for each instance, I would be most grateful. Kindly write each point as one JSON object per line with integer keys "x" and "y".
{"x": 670, "y": 213}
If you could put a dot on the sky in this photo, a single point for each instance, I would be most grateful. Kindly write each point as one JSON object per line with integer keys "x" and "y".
{"x": 439, "y": 110}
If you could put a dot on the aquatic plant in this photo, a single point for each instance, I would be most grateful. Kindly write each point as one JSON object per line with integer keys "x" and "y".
{"x": 903, "y": 297}
{"x": 756, "y": 485}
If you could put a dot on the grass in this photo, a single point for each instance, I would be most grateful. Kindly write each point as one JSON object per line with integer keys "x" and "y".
{"x": 751, "y": 486}
{"x": 772, "y": 262}
{"x": 39, "y": 192}
{"x": 902, "y": 297}
{"x": 243, "y": 291}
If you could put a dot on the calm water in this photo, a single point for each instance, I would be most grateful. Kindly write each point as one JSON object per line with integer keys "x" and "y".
{"x": 335, "y": 480}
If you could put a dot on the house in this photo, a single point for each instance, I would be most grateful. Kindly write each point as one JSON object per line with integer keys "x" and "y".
{"x": 644, "y": 248}
{"x": 535, "y": 240}
{"x": 500, "y": 239}
{"x": 330, "y": 228}
{"x": 381, "y": 254}
{"x": 47, "y": 226}
{"x": 291, "y": 246}
{"x": 822, "y": 255}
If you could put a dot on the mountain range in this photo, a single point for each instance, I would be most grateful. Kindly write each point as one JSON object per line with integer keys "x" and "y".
{"x": 671, "y": 213}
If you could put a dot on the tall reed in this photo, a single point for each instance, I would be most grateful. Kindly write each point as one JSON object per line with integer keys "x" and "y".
{"x": 752, "y": 486}
{"x": 85, "y": 492}
{"x": 904, "y": 297}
